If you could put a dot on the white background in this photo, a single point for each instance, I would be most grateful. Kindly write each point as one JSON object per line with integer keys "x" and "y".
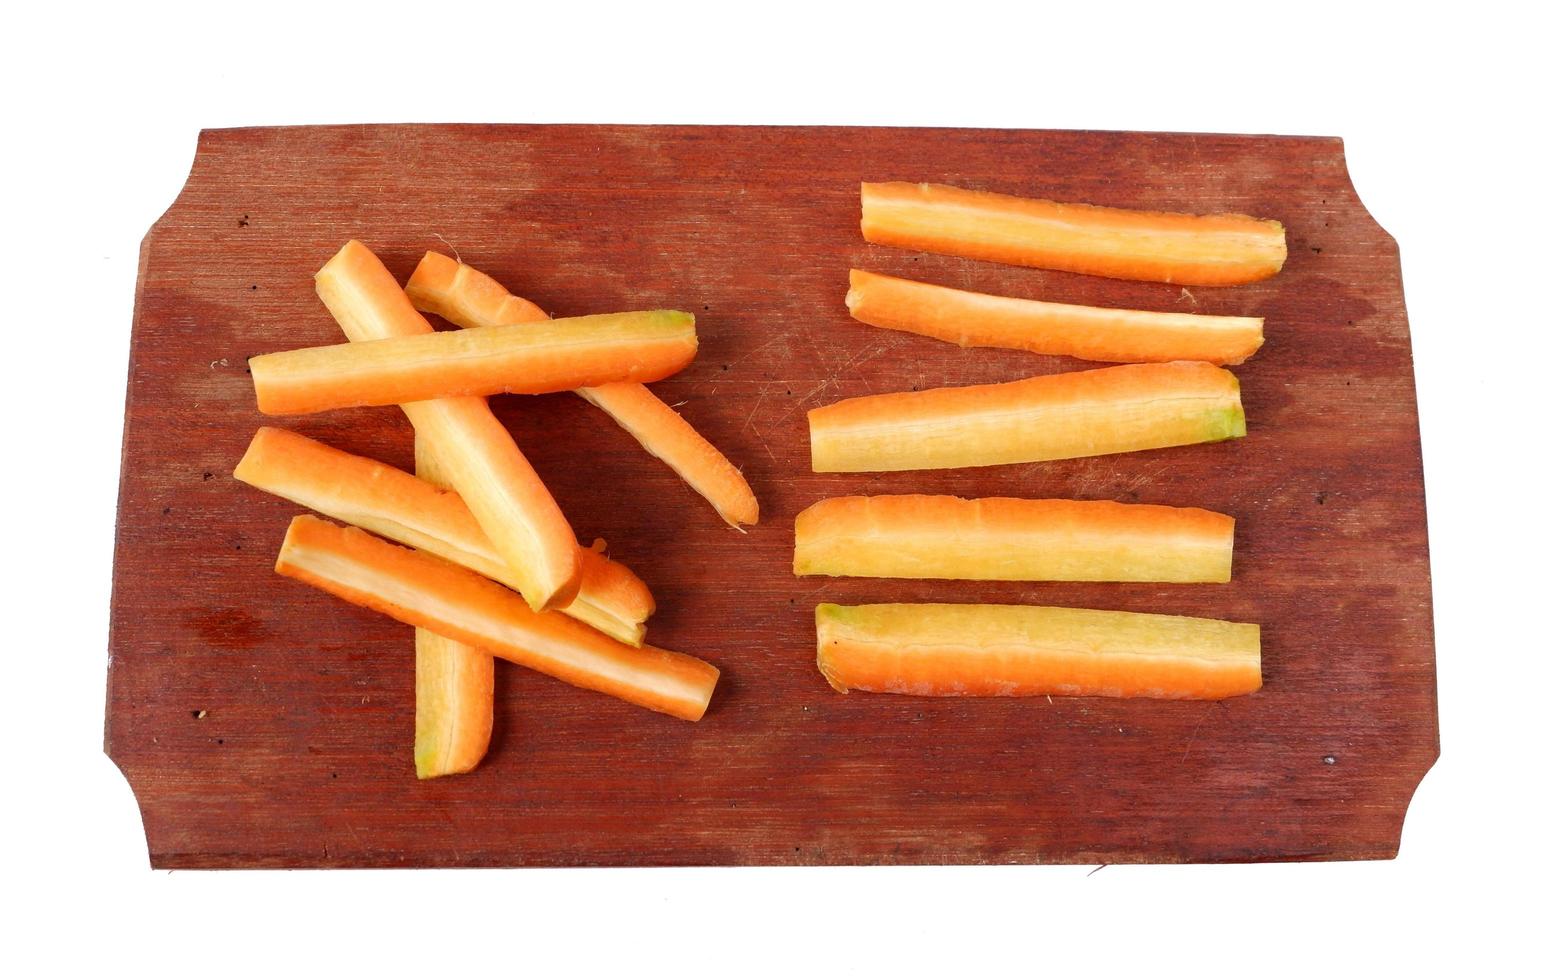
{"x": 102, "y": 109}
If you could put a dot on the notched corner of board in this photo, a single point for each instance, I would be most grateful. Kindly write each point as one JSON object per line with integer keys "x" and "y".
{"x": 130, "y": 780}
{"x": 1355, "y": 199}
{"x": 1405, "y": 799}
{"x": 200, "y": 155}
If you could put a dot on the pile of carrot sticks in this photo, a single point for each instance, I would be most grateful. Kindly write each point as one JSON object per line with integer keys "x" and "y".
{"x": 1169, "y": 390}
{"x": 485, "y": 563}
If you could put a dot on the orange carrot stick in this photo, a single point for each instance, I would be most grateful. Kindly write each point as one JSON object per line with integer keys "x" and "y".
{"x": 464, "y": 296}
{"x": 455, "y": 602}
{"x": 1057, "y": 416}
{"x": 1090, "y": 332}
{"x": 943, "y": 649}
{"x": 386, "y": 501}
{"x": 556, "y": 355}
{"x": 1193, "y": 249}
{"x": 479, "y": 457}
{"x": 668, "y": 437}
{"x": 453, "y": 705}
{"x": 453, "y": 690}
{"x": 1007, "y": 539}
{"x": 469, "y": 298}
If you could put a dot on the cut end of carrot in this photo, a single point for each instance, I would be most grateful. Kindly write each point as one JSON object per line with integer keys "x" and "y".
{"x": 613, "y": 599}
{"x": 435, "y": 275}
{"x": 363, "y": 296}
{"x": 825, "y": 614}
{"x": 453, "y": 705}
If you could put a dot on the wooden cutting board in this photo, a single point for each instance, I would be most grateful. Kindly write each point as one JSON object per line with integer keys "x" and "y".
{"x": 264, "y": 724}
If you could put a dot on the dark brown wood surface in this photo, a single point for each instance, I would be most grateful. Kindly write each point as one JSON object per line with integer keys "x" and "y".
{"x": 262, "y": 723}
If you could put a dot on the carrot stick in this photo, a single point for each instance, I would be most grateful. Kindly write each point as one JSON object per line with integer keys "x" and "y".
{"x": 455, "y": 602}
{"x": 668, "y": 437}
{"x": 1006, "y": 539}
{"x": 1193, "y": 249}
{"x": 1090, "y": 332}
{"x": 943, "y": 649}
{"x": 1058, "y": 416}
{"x": 464, "y": 296}
{"x": 453, "y": 697}
{"x": 469, "y": 298}
{"x": 478, "y": 455}
{"x": 453, "y": 705}
{"x": 556, "y": 355}
{"x": 397, "y": 505}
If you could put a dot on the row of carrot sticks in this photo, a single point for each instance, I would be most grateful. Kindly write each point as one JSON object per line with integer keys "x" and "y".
{"x": 1170, "y": 391}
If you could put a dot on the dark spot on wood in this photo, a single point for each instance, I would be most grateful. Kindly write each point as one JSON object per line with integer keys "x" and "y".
{"x": 1319, "y": 497}
{"x": 1312, "y": 248}
{"x": 198, "y": 712}
{"x": 165, "y": 511}
{"x": 208, "y": 475}
{"x": 723, "y": 367}
{"x": 254, "y": 285}
{"x": 243, "y": 221}
{"x": 334, "y": 775}
{"x": 704, "y": 307}
{"x": 219, "y": 741}
{"x": 230, "y": 627}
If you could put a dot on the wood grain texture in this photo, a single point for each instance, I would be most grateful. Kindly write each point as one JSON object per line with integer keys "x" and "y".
{"x": 263, "y": 724}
